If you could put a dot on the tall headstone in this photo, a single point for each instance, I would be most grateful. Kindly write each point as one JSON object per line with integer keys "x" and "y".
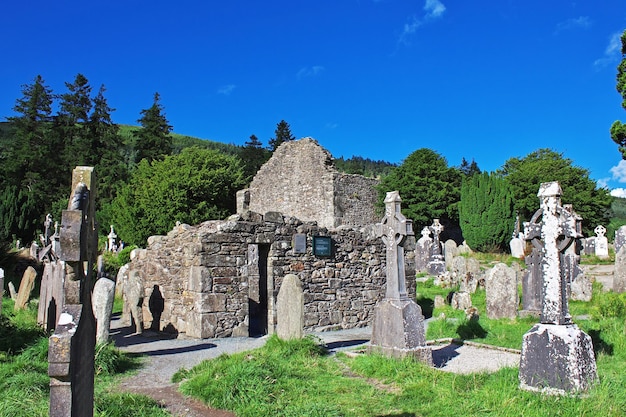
{"x": 26, "y": 287}
{"x": 602, "y": 244}
{"x": 436, "y": 265}
{"x": 398, "y": 326}
{"x": 557, "y": 357}
{"x": 620, "y": 238}
{"x": 501, "y": 292}
{"x": 71, "y": 346}
{"x": 450, "y": 251}
{"x": 103, "y": 296}
{"x": 290, "y": 309}
{"x": 619, "y": 276}
{"x": 423, "y": 251}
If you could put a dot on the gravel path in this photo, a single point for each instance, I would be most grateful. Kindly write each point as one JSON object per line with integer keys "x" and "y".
{"x": 166, "y": 355}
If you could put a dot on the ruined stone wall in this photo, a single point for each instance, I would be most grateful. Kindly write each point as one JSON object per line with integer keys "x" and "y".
{"x": 355, "y": 200}
{"x": 205, "y": 275}
{"x": 300, "y": 180}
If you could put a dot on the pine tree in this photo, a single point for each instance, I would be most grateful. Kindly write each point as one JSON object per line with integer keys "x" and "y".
{"x": 153, "y": 140}
{"x": 281, "y": 134}
{"x": 486, "y": 213}
{"x": 253, "y": 156}
{"x": 618, "y": 129}
{"x": 469, "y": 169}
{"x": 71, "y": 122}
{"x": 32, "y": 169}
{"x": 107, "y": 149}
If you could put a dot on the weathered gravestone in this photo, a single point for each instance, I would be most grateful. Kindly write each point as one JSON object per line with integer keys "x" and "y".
{"x": 620, "y": 238}
{"x": 12, "y": 291}
{"x": 103, "y": 296}
{"x": 398, "y": 325}
{"x": 26, "y": 287}
{"x": 51, "y": 288}
{"x": 501, "y": 292}
{"x": 423, "y": 250}
{"x": 112, "y": 240}
{"x": 602, "y": 244}
{"x": 517, "y": 246}
{"x": 71, "y": 347}
{"x": 557, "y": 357}
{"x": 436, "y": 264}
{"x": 619, "y": 276}
{"x": 290, "y": 309}
{"x": 461, "y": 300}
{"x": 450, "y": 251}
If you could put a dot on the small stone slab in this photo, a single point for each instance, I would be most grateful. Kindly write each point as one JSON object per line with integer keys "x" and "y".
{"x": 26, "y": 287}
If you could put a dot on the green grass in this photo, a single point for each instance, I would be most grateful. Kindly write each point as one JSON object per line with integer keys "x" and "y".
{"x": 24, "y": 380}
{"x": 296, "y": 379}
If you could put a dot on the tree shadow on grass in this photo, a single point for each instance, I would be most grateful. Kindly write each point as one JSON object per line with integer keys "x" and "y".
{"x": 599, "y": 345}
{"x": 471, "y": 329}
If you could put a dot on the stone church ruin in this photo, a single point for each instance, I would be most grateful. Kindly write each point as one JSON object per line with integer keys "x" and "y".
{"x": 300, "y": 216}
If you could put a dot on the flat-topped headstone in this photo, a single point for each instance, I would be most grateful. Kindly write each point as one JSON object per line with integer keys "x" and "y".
{"x": 501, "y": 292}
{"x": 619, "y": 275}
{"x": 620, "y": 238}
{"x": 557, "y": 357}
{"x": 398, "y": 325}
{"x": 290, "y": 309}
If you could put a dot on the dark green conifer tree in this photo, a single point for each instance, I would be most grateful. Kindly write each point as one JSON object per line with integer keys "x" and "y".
{"x": 486, "y": 212}
{"x": 153, "y": 140}
{"x": 281, "y": 134}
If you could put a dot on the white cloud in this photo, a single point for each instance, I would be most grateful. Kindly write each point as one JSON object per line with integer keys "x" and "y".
{"x": 434, "y": 9}
{"x": 226, "y": 89}
{"x": 619, "y": 171}
{"x": 619, "y": 192}
{"x": 612, "y": 52}
{"x": 582, "y": 22}
{"x": 310, "y": 71}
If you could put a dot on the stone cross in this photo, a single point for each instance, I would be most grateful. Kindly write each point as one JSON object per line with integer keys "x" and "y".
{"x": 394, "y": 229}
{"x": 557, "y": 231}
{"x": 71, "y": 347}
{"x": 112, "y": 240}
{"x": 436, "y": 228}
{"x": 600, "y": 231}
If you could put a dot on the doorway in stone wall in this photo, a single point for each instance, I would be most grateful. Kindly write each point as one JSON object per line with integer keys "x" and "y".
{"x": 257, "y": 287}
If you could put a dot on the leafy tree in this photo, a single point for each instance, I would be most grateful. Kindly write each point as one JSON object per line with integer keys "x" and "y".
{"x": 253, "y": 156}
{"x": 618, "y": 129}
{"x": 468, "y": 169}
{"x": 525, "y": 175}
{"x": 153, "y": 140}
{"x": 281, "y": 134}
{"x": 486, "y": 212}
{"x": 428, "y": 187}
{"x": 191, "y": 187}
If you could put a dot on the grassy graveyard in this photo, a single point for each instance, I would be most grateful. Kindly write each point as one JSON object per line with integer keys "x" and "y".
{"x": 24, "y": 377}
{"x": 296, "y": 378}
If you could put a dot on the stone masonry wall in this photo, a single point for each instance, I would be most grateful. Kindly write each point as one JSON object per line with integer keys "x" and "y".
{"x": 355, "y": 200}
{"x": 300, "y": 180}
{"x": 203, "y": 273}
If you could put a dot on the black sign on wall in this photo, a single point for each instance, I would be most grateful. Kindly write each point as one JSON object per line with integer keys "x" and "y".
{"x": 322, "y": 246}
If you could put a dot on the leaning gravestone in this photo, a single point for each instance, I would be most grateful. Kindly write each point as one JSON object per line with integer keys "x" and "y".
{"x": 619, "y": 277}
{"x": 26, "y": 287}
{"x": 602, "y": 244}
{"x": 290, "y": 309}
{"x": 501, "y": 292}
{"x": 398, "y": 325}
{"x": 557, "y": 357}
{"x": 71, "y": 347}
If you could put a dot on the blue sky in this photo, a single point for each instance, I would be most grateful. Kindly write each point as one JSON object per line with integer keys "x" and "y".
{"x": 484, "y": 80}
